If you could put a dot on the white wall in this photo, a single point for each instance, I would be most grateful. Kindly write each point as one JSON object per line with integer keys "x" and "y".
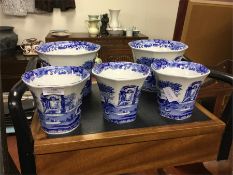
{"x": 155, "y": 18}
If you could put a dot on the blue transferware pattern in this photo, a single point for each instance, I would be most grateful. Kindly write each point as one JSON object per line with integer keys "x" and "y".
{"x": 88, "y": 65}
{"x": 178, "y": 110}
{"x": 60, "y": 45}
{"x": 126, "y": 109}
{"x": 53, "y": 70}
{"x": 77, "y": 45}
{"x": 87, "y": 88}
{"x": 61, "y": 113}
{"x": 150, "y": 82}
{"x": 172, "y": 45}
{"x": 183, "y": 109}
{"x": 163, "y": 63}
{"x": 121, "y": 65}
{"x": 176, "y": 87}
{"x": 58, "y": 113}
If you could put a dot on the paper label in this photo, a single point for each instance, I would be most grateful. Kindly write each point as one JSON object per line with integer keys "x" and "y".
{"x": 53, "y": 91}
{"x": 171, "y": 96}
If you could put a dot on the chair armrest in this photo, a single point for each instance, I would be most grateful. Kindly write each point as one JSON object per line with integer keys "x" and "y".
{"x": 227, "y": 78}
{"x": 22, "y": 129}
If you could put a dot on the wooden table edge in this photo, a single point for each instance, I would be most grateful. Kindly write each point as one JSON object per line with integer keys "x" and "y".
{"x": 52, "y": 145}
{"x": 83, "y": 35}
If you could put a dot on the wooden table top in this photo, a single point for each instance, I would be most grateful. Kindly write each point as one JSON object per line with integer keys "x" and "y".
{"x": 94, "y": 131}
{"x": 86, "y": 36}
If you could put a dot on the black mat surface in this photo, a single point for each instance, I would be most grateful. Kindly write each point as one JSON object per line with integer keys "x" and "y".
{"x": 92, "y": 120}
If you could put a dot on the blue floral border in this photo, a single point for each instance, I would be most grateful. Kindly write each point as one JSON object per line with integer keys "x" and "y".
{"x": 98, "y": 68}
{"x": 60, "y": 45}
{"x": 51, "y": 70}
{"x": 172, "y": 45}
{"x": 163, "y": 63}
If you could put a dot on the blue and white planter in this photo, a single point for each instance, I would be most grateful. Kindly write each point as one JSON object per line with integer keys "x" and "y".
{"x": 70, "y": 53}
{"x": 179, "y": 83}
{"x": 145, "y": 51}
{"x": 120, "y": 85}
{"x": 58, "y": 92}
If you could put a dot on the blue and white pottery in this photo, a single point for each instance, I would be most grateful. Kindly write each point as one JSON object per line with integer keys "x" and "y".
{"x": 145, "y": 51}
{"x": 120, "y": 85}
{"x": 58, "y": 93}
{"x": 70, "y": 53}
{"x": 179, "y": 83}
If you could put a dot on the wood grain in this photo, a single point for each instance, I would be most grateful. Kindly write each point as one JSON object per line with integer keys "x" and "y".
{"x": 180, "y": 19}
{"x": 207, "y": 31}
{"x": 132, "y": 157}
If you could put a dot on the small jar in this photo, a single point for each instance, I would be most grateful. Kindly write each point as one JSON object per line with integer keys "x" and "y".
{"x": 129, "y": 32}
{"x": 8, "y": 38}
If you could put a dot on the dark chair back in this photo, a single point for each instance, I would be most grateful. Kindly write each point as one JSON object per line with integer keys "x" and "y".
{"x": 23, "y": 133}
{"x": 6, "y": 163}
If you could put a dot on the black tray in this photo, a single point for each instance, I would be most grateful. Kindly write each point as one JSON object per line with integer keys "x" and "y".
{"x": 92, "y": 120}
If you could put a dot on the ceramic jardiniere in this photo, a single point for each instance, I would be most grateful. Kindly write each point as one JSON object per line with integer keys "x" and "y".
{"x": 120, "y": 85}
{"x": 58, "y": 93}
{"x": 145, "y": 51}
{"x": 179, "y": 83}
{"x": 70, "y": 53}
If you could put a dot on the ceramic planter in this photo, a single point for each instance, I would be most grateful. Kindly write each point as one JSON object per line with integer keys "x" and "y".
{"x": 120, "y": 85}
{"x": 58, "y": 93}
{"x": 179, "y": 83}
{"x": 145, "y": 51}
{"x": 70, "y": 53}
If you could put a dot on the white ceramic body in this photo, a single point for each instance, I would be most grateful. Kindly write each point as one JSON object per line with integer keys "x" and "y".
{"x": 93, "y": 27}
{"x": 93, "y": 17}
{"x": 178, "y": 85}
{"x": 115, "y": 32}
{"x": 58, "y": 99}
{"x": 68, "y": 60}
{"x": 67, "y": 56}
{"x": 120, "y": 91}
{"x": 114, "y": 22}
{"x": 129, "y": 32}
{"x": 70, "y": 56}
{"x": 144, "y": 53}
{"x": 140, "y": 53}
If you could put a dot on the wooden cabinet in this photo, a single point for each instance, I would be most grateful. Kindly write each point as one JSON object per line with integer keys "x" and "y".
{"x": 13, "y": 65}
{"x": 113, "y": 48}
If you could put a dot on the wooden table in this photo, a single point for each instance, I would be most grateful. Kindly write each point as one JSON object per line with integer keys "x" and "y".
{"x": 113, "y": 48}
{"x": 99, "y": 147}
